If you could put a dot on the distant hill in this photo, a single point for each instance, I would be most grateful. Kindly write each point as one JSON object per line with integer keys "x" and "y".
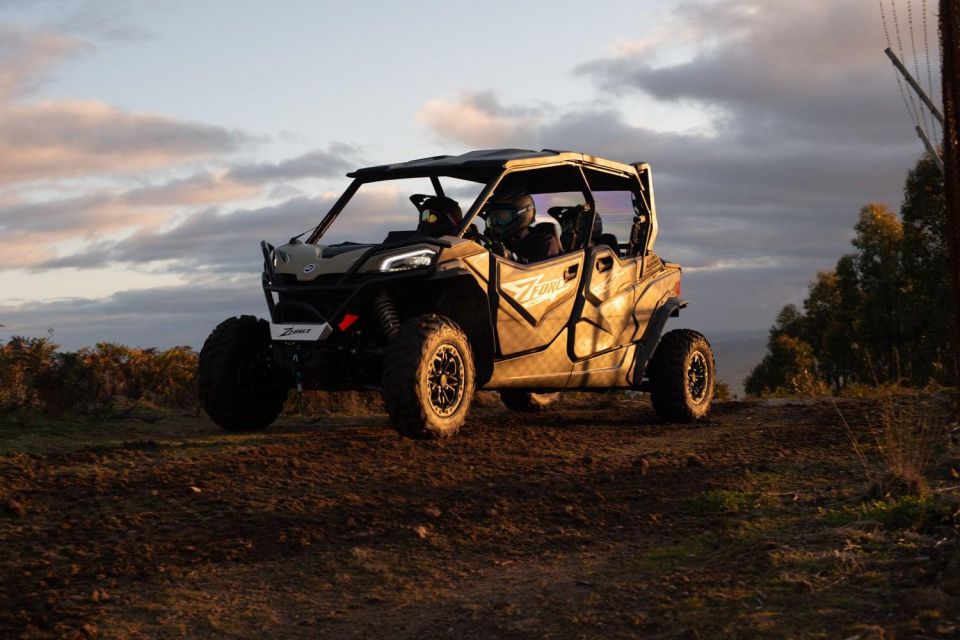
{"x": 737, "y": 353}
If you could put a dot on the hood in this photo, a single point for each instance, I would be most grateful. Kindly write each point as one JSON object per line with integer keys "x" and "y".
{"x": 308, "y": 261}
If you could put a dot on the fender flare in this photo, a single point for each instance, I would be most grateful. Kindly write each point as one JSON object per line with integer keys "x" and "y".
{"x": 651, "y": 337}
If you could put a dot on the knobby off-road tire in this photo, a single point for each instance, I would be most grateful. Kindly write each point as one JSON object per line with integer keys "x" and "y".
{"x": 428, "y": 378}
{"x": 682, "y": 375}
{"x": 526, "y": 401}
{"x": 240, "y": 387}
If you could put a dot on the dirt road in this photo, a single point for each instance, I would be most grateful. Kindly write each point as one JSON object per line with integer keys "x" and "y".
{"x": 586, "y": 522}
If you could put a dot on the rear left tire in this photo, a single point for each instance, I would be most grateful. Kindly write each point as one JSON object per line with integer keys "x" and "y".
{"x": 523, "y": 401}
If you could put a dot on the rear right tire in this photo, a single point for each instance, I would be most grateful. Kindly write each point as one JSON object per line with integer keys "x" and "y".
{"x": 682, "y": 375}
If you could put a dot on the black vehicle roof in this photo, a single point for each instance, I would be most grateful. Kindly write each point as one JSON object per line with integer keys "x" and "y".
{"x": 479, "y": 166}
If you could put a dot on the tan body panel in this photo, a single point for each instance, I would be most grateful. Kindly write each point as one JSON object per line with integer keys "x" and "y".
{"x": 548, "y": 369}
{"x": 607, "y": 319}
{"x": 535, "y": 301}
{"x": 619, "y": 301}
{"x": 610, "y": 369}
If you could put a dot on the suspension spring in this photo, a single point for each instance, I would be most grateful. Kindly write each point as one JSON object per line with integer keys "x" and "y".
{"x": 387, "y": 314}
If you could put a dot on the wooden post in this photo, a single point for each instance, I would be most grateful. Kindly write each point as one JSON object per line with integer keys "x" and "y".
{"x": 914, "y": 85}
{"x": 950, "y": 68}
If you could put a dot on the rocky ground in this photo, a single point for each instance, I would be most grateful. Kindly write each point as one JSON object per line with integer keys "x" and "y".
{"x": 591, "y": 521}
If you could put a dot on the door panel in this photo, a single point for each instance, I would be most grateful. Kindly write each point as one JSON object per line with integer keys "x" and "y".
{"x": 535, "y": 301}
{"x": 606, "y": 320}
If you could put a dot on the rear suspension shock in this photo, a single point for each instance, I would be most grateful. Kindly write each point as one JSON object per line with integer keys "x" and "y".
{"x": 387, "y": 314}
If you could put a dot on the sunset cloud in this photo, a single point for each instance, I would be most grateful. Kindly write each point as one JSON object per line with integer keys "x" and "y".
{"x": 335, "y": 161}
{"x": 49, "y": 140}
{"x": 478, "y": 119}
{"x": 28, "y": 53}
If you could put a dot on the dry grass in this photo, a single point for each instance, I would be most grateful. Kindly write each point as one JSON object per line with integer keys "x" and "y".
{"x": 905, "y": 431}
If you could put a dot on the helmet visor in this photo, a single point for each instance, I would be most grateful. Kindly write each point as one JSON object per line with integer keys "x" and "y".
{"x": 499, "y": 217}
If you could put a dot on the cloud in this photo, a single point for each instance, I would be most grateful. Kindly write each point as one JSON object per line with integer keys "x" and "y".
{"x": 33, "y": 232}
{"x": 155, "y": 317}
{"x": 105, "y": 20}
{"x": 49, "y": 140}
{"x": 227, "y": 242}
{"x": 28, "y": 53}
{"x": 477, "y": 119}
{"x": 811, "y": 70}
{"x": 337, "y": 160}
{"x": 207, "y": 240}
{"x": 202, "y": 188}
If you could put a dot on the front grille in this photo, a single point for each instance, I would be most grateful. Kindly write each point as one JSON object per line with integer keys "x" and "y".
{"x": 325, "y": 303}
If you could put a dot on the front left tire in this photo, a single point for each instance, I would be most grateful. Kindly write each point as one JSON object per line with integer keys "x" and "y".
{"x": 240, "y": 388}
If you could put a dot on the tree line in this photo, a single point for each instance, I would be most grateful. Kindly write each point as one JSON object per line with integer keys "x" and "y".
{"x": 883, "y": 315}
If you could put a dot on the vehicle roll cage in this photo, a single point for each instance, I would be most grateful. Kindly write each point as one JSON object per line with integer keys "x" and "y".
{"x": 640, "y": 188}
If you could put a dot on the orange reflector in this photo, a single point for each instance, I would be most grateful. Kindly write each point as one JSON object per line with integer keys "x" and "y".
{"x": 676, "y": 289}
{"x": 348, "y": 319}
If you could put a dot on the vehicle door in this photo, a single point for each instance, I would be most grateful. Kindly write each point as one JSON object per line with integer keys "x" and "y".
{"x": 534, "y": 302}
{"x": 605, "y": 319}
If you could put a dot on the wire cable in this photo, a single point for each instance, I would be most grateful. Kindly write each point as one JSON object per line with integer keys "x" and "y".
{"x": 916, "y": 110}
{"x": 896, "y": 74}
{"x": 938, "y": 135}
{"x": 925, "y": 116}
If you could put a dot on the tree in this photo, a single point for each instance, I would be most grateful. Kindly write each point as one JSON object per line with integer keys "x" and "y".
{"x": 880, "y": 324}
{"x": 788, "y": 367}
{"x": 884, "y": 313}
{"x": 825, "y": 329}
{"x": 924, "y": 261}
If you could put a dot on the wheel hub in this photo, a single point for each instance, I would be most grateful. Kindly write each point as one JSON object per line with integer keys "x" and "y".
{"x": 445, "y": 379}
{"x": 697, "y": 377}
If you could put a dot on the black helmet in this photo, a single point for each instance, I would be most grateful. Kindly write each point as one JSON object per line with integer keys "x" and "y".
{"x": 509, "y": 213}
{"x": 439, "y": 215}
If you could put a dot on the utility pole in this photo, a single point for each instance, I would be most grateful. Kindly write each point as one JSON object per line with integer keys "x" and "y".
{"x": 949, "y": 69}
{"x": 925, "y": 99}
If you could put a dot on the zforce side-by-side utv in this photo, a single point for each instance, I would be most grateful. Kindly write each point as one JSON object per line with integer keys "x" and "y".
{"x": 429, "y": 319}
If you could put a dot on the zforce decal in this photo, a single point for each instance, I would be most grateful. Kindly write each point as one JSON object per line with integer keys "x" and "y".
{"x": 300, "y": 332}
{"x": 293, "y": 331}
{"x": 532, "y": 291}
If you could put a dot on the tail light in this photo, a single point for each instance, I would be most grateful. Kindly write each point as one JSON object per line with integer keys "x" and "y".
{"x": 676, "y": 288}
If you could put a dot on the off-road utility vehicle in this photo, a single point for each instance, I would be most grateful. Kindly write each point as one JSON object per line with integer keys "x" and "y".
{"x": 430, "y": 316}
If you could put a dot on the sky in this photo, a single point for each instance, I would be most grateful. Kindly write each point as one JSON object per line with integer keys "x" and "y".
{"x": 147, "y": 147}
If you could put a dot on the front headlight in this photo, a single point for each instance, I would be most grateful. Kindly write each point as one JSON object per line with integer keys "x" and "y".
{"x": 405, "y": 261}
